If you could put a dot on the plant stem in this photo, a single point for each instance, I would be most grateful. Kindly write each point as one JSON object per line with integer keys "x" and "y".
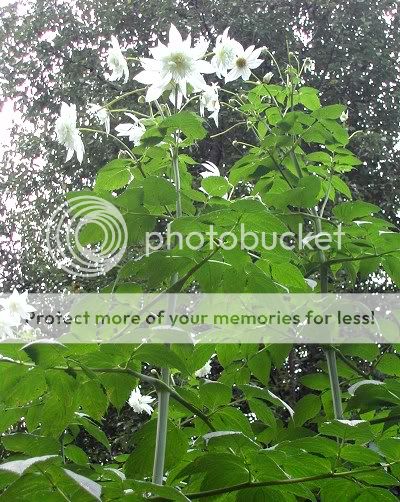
{"x": 329, "y": 352}
{"x": 162, "y": 429}
{"x": 163, "y": 396}
{"x": 277, "y": 482}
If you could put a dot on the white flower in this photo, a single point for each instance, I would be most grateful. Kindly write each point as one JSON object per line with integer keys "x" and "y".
{"x": 101, "y": 115}
{"x": 344, "y": 116}
{"x": 267, "y": 77}
{"x": 134, "y": 131}
{"x": 176, "y": 64}
{"x": 16, "y": 306}
{"x": 116, "y": 62}
{"x": 67, "y": 133}
{"x": 204, "y": 371}
{"x": 225, "y": 51}
{"x": 245, "y": 61}
{"x": 140, "y": 403}
{"x": 212, "y": 170}
{"x": 209, "y": 101}
{"x": 7, "y": 322}
{"x": 309, "y": 65}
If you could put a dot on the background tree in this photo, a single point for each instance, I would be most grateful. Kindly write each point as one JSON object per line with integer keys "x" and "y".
{"x": 56, "y": 51}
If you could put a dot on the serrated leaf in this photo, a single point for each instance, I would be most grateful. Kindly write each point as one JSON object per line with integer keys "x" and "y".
{"x": 116, "y": 174}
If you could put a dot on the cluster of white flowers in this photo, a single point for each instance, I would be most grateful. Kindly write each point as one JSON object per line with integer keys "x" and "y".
{"x": 176, "y": 67}
{"x": 140, "y": 403}
{"x": 15, "y": 310}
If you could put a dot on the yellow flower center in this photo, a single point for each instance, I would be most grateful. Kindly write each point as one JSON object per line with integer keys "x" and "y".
{"x": 241, "y": 63}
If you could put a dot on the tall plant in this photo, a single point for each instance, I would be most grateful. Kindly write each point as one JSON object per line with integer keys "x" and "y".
{"x": 233, "y": 435}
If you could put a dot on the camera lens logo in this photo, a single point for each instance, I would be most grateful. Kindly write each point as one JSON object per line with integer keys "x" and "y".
{"x": 86, "y": 237}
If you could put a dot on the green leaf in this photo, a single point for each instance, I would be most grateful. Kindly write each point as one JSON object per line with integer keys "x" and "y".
{"x": 360, "y": 454}
{"x": 341, "y": 186}
{"x": 46, "y": 354}
{"x": 20, "y": 466}
{"x": 344, "y": 490}
{"x": 358, "y": 430}
{"x": 306, "y": 409}
{"x": 391, "y": 265}
{"x": 376, "y": 495}
{"x": 189, "y": 123}
{"x": 316, "y": 381}
{"x": 235, "y": 440}
{"x": 214, "y": 394}
{"x": 92, "y": 399}
{"x": 321, "y": 157}
{"x": 349, "y": 211}
{"x": 116, "y": 174}
{"x": 309, "y": 98}
{"x": 93, "y": 430}
{"x": 76, "y": 454}
{"x": 31, "y": 444}
{"x": 25, "y": 386}
{"x": 140, "y": 461}
{"x": 166, "y": 492}
{"x": 160, "y": 355}
{"x": 220, "y": 469}
{"x": 260, "y": 366}
{"x": 329, "y": 112}
{"x": 158, "y": 191}
{"x": 389, "y": 364}
{"x": 216, "y": 186}
{"x": 118, "y": 387}
{"x": 262, "y": 412}
{"x": 86, "y": 484}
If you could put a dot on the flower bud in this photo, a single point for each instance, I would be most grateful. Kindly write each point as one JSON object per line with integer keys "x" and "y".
{"x": 141, "y": 100}
{"x": 267, "y": 77}
{"x": 231, "y": 101}
{"x": 264, "y": 51}
{"x": 309, "y": 65}
{"x": 234, "y": 142}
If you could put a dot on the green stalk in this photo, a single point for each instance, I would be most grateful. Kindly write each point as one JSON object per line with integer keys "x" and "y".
{"x": 330, "y": 353}
{"x": 163, "y": 396}
{"x": 162, "y": 428}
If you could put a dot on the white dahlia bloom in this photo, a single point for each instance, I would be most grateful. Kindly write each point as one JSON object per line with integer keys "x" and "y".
{"x": 175, "y": 65}
{"x": 245, "y": 61}
{"x": 68, "y": 134}
{"x": 117, "y": 62}
{"x": 134, "y": 131}
{"x": 16, "y": 306}
{"x": 225, "y": 52}
{"x": 209, "y": 101}
{"x": 101, "y": 115}
{"x": 140, "y": 403}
